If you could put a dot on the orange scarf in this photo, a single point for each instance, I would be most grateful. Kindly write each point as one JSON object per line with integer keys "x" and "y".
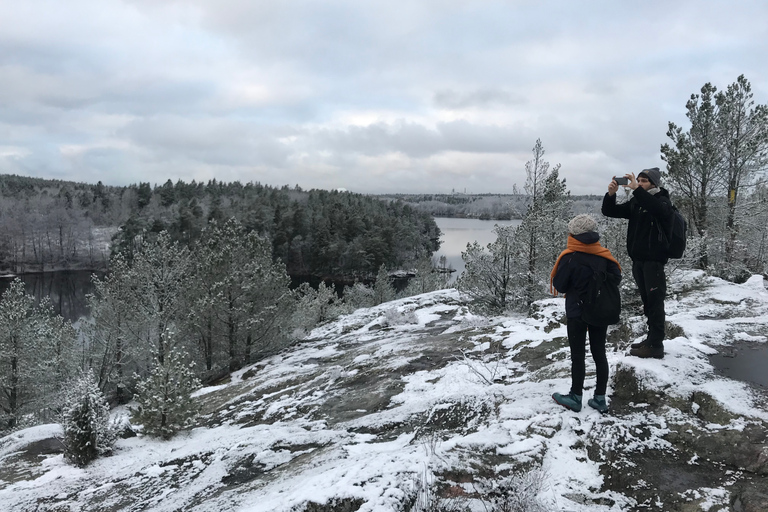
{"x": 576, "y": 246}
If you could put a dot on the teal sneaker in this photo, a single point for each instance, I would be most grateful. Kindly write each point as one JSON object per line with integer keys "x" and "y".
{"x": 569, "y": 401}
{"x": 598, "y": 403}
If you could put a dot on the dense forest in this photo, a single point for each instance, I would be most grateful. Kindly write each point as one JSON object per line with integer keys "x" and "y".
{"x": 47, "y": 224}
{"x": 52, "y": 224}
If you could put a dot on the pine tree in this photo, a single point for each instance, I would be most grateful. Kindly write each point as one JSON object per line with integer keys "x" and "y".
{"x": 314, "y": 307}
{"x": 85, "y": 421}
{"x": 493, "y": 276}
{"x": 241, "y": 302}
{"x": 164, "y": 397}
{"x": 695, "y": 165}
{"x": 541, "y": 235}
{"x": 382, "y": 288}
{"x": 161, "y": 271}
{"x": 35, "y": 350}
{"x": 357, "y": 296}
{"x": 743, "y": 127}
{"x": 111, "y": 349}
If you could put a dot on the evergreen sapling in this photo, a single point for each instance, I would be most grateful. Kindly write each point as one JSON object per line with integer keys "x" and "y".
{"x": 164, "y": 397}
{"x": 88, "y": 432}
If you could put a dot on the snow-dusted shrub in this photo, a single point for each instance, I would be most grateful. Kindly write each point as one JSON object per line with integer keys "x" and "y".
{"x": 394, "y": 317}
{"x": 735, "y": 272}
{"x": 518, "y": 492}
{"x": 165, "y": 405}
{"x": 315, "y": 307}
{"x": 431, "y": 495}
{"x": 494, "y": 277}
{"x": 358, "y": 296}
{"x": 85, "y": 421}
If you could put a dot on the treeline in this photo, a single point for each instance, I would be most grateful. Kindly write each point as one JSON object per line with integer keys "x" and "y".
{"x": 484, "y": 206}
{"x": 53, "y": 224}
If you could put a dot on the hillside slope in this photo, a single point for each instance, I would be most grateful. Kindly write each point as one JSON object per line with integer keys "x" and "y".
{"x": 419, "y": 400}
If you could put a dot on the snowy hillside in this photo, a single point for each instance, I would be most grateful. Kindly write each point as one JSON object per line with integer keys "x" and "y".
{"x": 419, "y": 401}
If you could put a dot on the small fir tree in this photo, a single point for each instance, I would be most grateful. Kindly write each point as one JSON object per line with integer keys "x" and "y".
{"x": 427, "y": 279}
{"x": 85, "y": 421}
{"x": 357, "y": 296}
{"x": 164, "y": 397}
{"x": 314, "y": 307}
{"x": 382, "y": 288}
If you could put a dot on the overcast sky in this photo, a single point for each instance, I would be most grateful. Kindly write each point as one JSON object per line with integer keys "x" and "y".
{"x": 371, "y": 96}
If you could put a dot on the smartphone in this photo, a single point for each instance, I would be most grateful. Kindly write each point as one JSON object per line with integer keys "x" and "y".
{"x": 621, "y": 180}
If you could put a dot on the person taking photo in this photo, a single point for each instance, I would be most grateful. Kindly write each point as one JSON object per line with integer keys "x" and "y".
{"x": 649, "y": 211}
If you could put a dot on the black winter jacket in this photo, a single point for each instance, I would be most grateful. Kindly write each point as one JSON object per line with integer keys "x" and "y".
{"x": 574, "y": 274}
{"x": 648, "y": 215}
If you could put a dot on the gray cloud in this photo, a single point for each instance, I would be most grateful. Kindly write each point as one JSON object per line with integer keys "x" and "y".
{"x": 372, "y": 96}
{"x": 482, "y": 98}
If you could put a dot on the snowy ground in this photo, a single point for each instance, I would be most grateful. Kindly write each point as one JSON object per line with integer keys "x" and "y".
{"x": 375, "y": 404}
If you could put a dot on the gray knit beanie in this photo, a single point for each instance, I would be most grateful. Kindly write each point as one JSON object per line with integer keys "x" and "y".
{"x": 583, "y": 223}
{"x": 653, "y": 175}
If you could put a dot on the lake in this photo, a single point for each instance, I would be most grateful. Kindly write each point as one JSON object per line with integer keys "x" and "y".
{"x": 457, "y": 233}
{"x": 66, "y": 289}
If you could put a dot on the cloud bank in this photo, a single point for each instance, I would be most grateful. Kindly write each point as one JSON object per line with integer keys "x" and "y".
{"x": 373, "y": 96}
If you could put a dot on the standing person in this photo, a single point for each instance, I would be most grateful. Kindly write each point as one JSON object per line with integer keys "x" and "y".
{"x": 572, "y": 275}
{"x": 650, "y": 219}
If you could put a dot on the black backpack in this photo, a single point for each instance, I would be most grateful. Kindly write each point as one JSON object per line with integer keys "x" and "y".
{"x": 678, "y": 235}
{"x": 601, "y": 303}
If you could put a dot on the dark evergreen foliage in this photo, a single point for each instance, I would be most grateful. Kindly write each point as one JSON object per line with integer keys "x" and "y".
{"x": 315, "y": 233}
{"x": 85, "y": 420}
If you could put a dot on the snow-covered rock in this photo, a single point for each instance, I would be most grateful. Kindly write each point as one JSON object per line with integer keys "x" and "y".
{"x": 367, "y": 414}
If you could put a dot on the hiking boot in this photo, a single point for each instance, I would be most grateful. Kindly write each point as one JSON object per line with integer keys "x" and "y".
{"x": 640, "y": 344}
{"x": 598, "y": 403}
{"x": 647, "y": 351}
{"x": 569, "y": 401}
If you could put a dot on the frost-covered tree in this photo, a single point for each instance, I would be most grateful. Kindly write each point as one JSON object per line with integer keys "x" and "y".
{"x": 315, "y": 307}
{"x": 110, "y": 334}
{"x": 493, "y": 276}
{"x": 165, "y": 404}
{"x": 714, "y": 167}
{"x": 743, "y": 127}
{"x": 88, "y": 432}
{"x": 541, "y": 235}
{"x": 694, "y": 164}
{"x": 357, "y": 296}
{"x": 203, "y": 297}
{"x": 35, "y": 357}
{"x": 240, "y": 302}
{"x": 382, "y": 288}
{"x": 161, "y": 273}
{"x": 427, "y": 279}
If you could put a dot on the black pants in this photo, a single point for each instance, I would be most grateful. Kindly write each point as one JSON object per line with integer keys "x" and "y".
{"x": 577, "y": 339}
{"x": 650, "y": 279}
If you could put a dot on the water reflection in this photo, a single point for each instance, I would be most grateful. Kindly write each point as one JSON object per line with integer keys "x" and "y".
{"x": 65, "y": 288}
{"x": 745, "y": 362}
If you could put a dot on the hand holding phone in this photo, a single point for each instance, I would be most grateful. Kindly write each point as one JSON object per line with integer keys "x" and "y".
{"x": 622, "y": 180}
